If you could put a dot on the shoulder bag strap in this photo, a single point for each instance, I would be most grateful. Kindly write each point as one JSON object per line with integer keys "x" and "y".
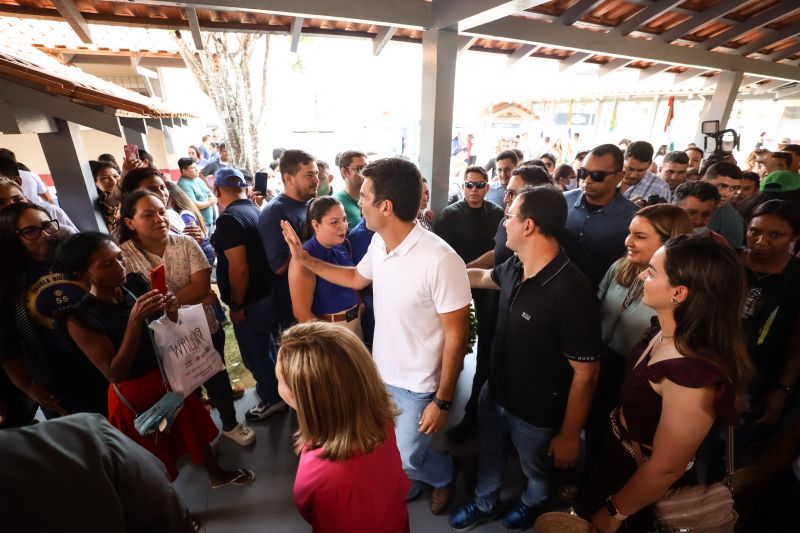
{"x": 124, "y": 400}
{"x": 729, "y": 466}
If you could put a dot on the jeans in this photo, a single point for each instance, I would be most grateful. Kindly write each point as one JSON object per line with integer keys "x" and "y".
{"x": 486, "y": 303}
{"x": 498, "y": 429}
{"x": 420, "y": 462}
{"x": 254, "y": 336}
{"x": 218, "y": 386}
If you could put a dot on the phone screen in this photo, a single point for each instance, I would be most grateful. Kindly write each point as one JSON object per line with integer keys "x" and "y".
{"x": 260, "y": 185}
{"x": 131, "y": 152}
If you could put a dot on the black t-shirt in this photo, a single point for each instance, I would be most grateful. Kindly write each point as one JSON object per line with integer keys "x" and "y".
{"x": 501, "y": 252}
{"x": 112, "y": 320}
{"x": 238, "y": 226}
{"x": 544, "y": 322}
{"x": 470, "y": 231}
{"x": 771, "y": 310}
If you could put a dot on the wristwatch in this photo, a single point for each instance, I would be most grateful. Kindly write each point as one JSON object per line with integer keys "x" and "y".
{"x": 612, "y": 509}
{"x": 441, "y": 404}
{"x": 235, "y": 307}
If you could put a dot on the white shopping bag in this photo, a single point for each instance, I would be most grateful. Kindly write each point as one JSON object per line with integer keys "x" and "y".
{"x": 185, "y": 349}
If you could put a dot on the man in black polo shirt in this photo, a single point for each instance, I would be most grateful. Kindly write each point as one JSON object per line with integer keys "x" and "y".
{"x": 544, "y": 364}
{"x": 240, "y": 254}
{"x": 469, "y": 226}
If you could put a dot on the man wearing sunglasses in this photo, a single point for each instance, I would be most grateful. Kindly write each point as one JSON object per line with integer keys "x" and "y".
{"x": 598, "y": 215}
{"x": 469, "y": 226}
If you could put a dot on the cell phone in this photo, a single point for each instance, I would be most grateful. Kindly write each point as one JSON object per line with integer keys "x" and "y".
{"x": 261, "y": 183}
{"x": 158, "y": 279}
{"x": 131, "y": 152}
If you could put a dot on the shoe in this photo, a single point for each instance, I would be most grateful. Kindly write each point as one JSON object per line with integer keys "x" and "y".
{"x": 469, "y": 517}
{"x": 521, "y": 517}
{"x": 243, "y": 477}
{"x": 262, "y": 410}
{"x": 463, "y": 431}
{"x": 241, "y": 435}
{"x": 443, "y": 497}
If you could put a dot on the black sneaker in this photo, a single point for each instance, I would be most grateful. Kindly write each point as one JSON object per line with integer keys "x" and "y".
{"x": 463, "y": 431}
{"x": 469, "y": 517}
{"x": 521, "y": 517}
{"x": 262, "y": 410}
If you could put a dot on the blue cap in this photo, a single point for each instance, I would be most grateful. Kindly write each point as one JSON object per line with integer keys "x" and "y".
{"x": 229, "y": 177}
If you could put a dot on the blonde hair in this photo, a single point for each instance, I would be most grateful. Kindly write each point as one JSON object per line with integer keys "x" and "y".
{"x": 343, "y": 406}
{"x": 668, "y": 221}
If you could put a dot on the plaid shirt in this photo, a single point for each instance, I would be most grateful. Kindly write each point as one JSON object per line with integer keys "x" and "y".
{"x": 650, "y": 184}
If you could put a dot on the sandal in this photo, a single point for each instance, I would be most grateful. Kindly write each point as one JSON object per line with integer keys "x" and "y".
{"x": 243, "y": 477}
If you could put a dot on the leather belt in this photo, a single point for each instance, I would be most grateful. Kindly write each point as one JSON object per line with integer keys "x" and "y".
{"x": 344, "y": 316}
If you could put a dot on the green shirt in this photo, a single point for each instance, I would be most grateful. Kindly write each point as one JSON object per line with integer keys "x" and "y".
{"x": 198, "y": 191}
{"x": 351, "y": 208}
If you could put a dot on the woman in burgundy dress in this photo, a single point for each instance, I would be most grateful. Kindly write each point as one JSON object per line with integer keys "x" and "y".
{"x": 692, "y": 371}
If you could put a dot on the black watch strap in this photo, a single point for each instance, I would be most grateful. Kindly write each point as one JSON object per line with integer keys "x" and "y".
{"x": 441, "y": 404}
{"x": 235, "y": 307}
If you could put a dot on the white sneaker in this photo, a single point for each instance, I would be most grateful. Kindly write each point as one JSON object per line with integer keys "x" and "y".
{"x": 241, "y": 435}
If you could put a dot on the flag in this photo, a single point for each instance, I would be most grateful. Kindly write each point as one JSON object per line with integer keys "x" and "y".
{"x": 612, "y": 124}
{"x": 670, "y": 112}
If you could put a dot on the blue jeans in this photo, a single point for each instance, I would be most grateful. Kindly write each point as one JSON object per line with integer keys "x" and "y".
{"x": 254, "y": 337}
{"x": 498, "y": 429}
{"x": 420, "y": 462}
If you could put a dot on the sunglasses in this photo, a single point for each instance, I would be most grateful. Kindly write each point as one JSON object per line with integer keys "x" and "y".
{"x": 32, "y": 233}
{"x": 596, "y": 175}
{"x": 475, "y": 184}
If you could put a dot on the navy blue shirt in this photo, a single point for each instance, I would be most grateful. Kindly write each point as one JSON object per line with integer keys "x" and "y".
{"x": 359, "y": 238}
{"x": 238, "y": 226}
{"x": 501, "y": 251}
{"x": 543, "y": 323}
{"x": 329, "y": 298}
{"x": 595, "y": 239}
{"x": 269, "y": 227}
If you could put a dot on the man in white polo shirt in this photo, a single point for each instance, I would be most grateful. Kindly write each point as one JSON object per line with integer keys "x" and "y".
{"x": 422, "y": 295}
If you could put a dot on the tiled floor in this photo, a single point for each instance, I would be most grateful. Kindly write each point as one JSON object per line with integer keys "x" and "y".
{"x": 267, "y": 504}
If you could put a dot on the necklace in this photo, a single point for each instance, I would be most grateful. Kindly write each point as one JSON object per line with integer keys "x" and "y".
{"x": 665, "y": 337}
{"x": 761, "y": 275}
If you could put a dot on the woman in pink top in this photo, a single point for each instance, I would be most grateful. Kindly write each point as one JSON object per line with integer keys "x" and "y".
{"x": 350, "y": 477}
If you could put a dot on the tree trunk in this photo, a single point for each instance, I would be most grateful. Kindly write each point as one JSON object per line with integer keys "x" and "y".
{"x": 225, "y": 71}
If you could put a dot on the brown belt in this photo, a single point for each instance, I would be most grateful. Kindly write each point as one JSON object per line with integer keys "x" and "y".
{"x": 338, "y": 317}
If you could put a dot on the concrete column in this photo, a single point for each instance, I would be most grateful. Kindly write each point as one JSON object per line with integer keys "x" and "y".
{"x": 719, "y": 108}
{"x": 439, "y": 52}
{"x": 72, "y": 176}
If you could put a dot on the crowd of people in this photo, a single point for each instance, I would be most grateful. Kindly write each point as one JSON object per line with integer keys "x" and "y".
{"x": 630, "y": 306}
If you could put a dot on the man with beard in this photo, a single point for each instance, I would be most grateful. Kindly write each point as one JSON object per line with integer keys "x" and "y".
{"x": 300, "y": 181}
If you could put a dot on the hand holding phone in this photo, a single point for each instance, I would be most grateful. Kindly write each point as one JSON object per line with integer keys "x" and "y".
{"x": 158, "y": 279}
{"x": 131, "y": 152}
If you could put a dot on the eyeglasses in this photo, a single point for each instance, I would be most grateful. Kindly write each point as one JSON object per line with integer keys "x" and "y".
{"x": 32, "y": 233}
{"x": 357, "y": 170}
{"x": 509, "y": 216}
{"x": 511, "y": 193}
{"x": 480, "y": 185}
{"x": 597, "y": 175}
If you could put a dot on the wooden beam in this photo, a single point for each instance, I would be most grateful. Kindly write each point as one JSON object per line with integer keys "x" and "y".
{"x": 520, "y": 53}
{"x": 523, "y": 30}
{"x": 571, "y": 61}
{"x": 769, "y": 86}
{"x": 613, "y": 66}
{"x": 783, "y": 93}
{"x": 700, "y": 19}
{"x": 465, "y": 42}
{"x": 296, "y": 30}
{"x": 644, "y": 16}
{"x": 460, "y": 15}
{"x": 787, "y": 52}
{"x": 652, "y": 71}
{"x": 578, "y": 11}
{"x": 74, "y": 18}
{"x": 687, "y": 75}
{"x": 194, "y": 26}
{"x": 765, "y": 41}
{"x": 762, "y": 19}
{"x": 382, "y": 38}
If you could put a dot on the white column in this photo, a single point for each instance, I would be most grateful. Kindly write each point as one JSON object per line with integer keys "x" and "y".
{"x": 721, "y": 102}
{"x": 439, "y": 52}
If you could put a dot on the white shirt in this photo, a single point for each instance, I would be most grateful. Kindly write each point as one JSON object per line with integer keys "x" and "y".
{"x": 32, "y": 187}
{"x": 414, "y": 283}
{"x": 56, "y": 213}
